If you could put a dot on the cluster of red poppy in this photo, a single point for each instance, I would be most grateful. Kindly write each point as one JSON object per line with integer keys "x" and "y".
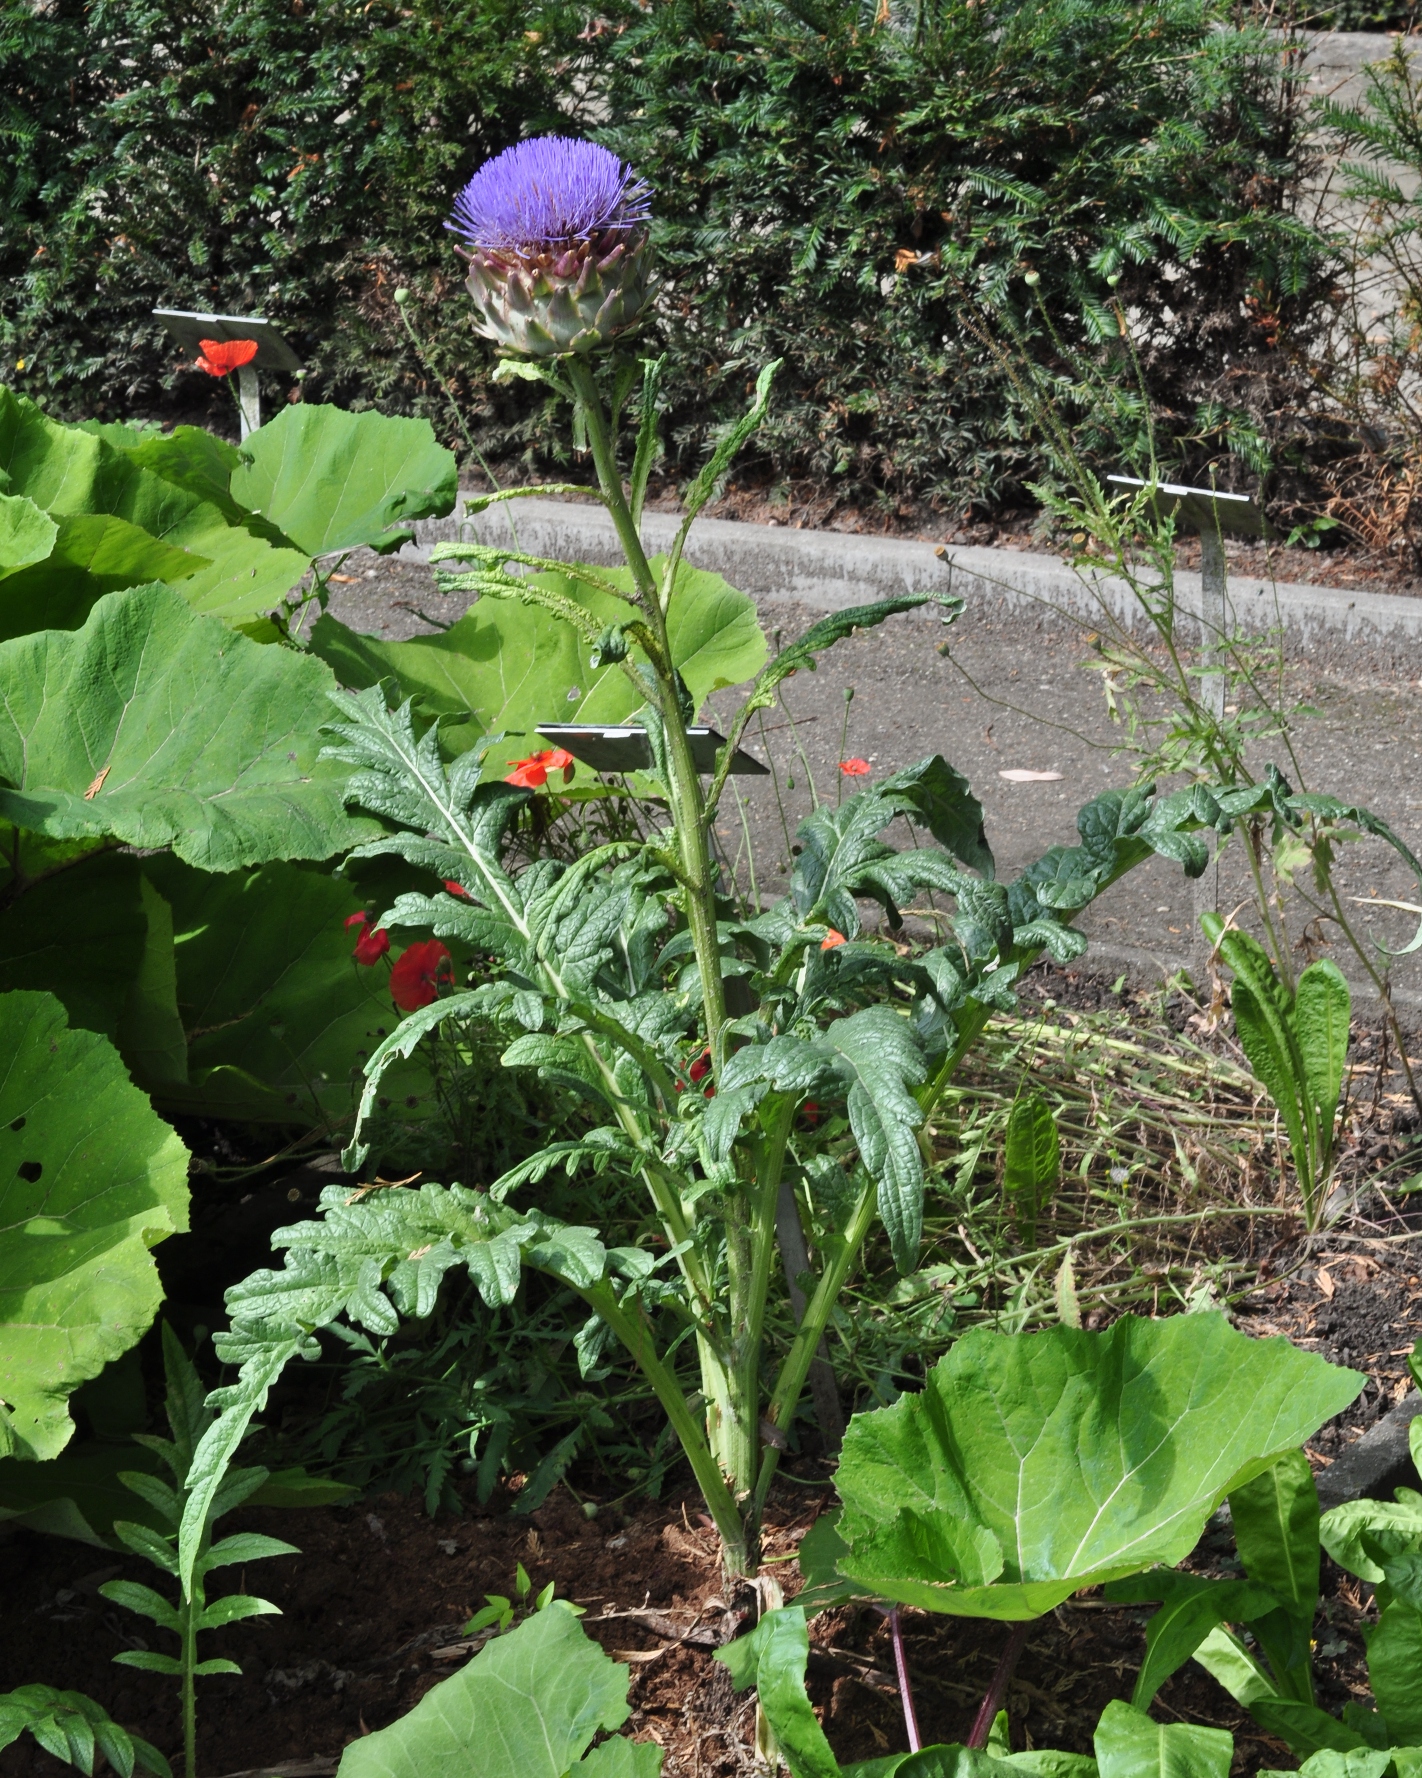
{"x": 418, "y": 973}
{"x": 532, "y": 773}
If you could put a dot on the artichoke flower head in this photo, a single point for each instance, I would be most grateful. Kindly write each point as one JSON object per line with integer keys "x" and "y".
{"x": 557, "y": 246}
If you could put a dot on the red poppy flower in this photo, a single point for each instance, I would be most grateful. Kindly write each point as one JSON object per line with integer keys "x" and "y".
{"x": 532, "y": 773}
{"x": 221, "y": 357}
{"x": 371, "y": 946}
{"x": 457, "y": 889}
{"x": 416, "y": 979}
{"x": 701, "y": 1067}
{"x": 855, "y": 768}
{"x": 831, "y": 939}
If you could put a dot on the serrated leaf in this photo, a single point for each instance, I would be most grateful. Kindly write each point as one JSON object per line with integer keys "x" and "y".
{"x": 527, "y": 1706}
{"x": 92, "y": 1180}
{"x": 135, "y": 1597}
{"x": 332, "y": 480}
{"x": 1031, "y": 1162}
{"x": 1322, "y": 1014}
{"x": 245, "y": 1546}
{"x": 147, "y": 1661}
{"x": 205, "y": 741}
{"x": 1023, "y": 1437}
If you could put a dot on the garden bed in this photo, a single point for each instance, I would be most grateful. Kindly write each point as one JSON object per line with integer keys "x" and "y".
{"x": 374, "y": 1606}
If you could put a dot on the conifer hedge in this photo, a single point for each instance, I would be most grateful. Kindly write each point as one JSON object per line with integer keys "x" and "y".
{"x": 838, "y": 184}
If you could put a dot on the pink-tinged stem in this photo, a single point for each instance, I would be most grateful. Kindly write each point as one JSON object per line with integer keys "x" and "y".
{"x": 905, "y": 1689}
{"x": 997, "y": 1691}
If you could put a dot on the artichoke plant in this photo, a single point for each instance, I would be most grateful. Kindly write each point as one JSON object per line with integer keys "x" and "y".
{"x": 557, "y": 247}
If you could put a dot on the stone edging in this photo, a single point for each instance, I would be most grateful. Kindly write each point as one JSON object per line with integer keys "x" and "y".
{"x": 828, "y": 570}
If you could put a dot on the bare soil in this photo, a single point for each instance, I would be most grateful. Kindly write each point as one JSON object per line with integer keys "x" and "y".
{"x": 373, "y": 1607}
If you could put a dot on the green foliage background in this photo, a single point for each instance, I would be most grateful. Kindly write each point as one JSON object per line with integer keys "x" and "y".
{"x": 835, "y": 181}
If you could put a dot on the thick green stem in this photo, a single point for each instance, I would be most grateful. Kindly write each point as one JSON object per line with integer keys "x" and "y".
{"x": 750, "y": 1259}
{"x": 688, "y": 804}
{"x": 731, "y": 1387}
{"x": 190, "y": 1608}
{"x": 796, "y": 1368}
{"x": 636, "y": 1336}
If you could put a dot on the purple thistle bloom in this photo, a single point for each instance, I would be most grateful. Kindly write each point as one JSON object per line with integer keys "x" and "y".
{"x": 548, "y": 193}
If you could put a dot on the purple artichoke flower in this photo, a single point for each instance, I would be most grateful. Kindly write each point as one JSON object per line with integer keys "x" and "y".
{"x": 558, "y": 250}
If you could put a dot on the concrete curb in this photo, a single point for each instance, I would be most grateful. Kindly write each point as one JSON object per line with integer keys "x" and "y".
{"x": 829, "y": 570}
{"x": 1377, "y": 1463}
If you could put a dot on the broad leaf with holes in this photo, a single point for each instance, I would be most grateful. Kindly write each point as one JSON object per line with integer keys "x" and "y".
{"x": 1036, "y": 1464}
{"x": 90, "y": 1180}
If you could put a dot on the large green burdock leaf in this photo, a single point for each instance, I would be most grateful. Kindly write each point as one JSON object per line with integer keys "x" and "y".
{"x": 90, "y": 1179}
{"x": 93, "y": 554}
{"x": 506, "y": 666}
{"x": 280, "y": 1017}
{"x": 96, "y": 933}
{"x": 1035, "y": 1464}
{"x": 173, "y": 488}
{"x": 332, "y": 480}
{"x": 527, "y": 1706}
{"x": 26, "y": 534}
{"x": 161, "y": 728}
